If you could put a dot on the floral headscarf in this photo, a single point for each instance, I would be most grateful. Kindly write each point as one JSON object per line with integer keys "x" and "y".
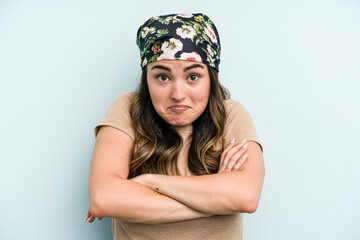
{"x": 191, "y": 37}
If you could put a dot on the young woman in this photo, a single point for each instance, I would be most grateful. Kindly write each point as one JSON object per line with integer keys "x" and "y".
{"x": 177, "y": 159}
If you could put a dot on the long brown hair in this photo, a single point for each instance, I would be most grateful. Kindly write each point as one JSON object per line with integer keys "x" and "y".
{"x": 157, "y": 144}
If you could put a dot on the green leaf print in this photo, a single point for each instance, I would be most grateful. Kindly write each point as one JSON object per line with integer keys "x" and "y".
{"x": 197, "y": 28}
{"x": 206, "y": 37}
{"x": 153, "y": 58}
{"x": 210, "y": 23}
{"x": 197, "y": 41}
{"x": 165, "y": 21}
{"x": 161, "y": 32}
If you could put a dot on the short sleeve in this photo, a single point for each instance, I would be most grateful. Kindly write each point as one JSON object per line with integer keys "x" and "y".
{"x": 239, "y": 124}
{"x": 118, "y": 115}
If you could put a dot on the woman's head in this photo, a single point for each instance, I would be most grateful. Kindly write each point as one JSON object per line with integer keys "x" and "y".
{"x": 175, "y": 50}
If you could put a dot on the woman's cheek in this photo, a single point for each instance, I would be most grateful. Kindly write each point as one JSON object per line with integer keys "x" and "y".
{"x": 158, "y": 97}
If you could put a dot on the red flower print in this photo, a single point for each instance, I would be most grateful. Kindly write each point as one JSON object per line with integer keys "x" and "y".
{"x": 156, "y": 49}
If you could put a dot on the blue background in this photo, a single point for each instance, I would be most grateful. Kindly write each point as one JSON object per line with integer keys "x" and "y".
{"x": 293, "y": 64}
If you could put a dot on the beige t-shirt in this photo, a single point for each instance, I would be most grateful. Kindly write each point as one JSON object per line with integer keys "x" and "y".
{"x": 238, "y": 125}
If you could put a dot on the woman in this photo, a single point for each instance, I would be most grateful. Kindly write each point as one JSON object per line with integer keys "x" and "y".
{"x": 177, "y": 159}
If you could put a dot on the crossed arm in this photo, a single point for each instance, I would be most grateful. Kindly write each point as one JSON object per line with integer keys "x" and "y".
{"x": 152, "y": 198}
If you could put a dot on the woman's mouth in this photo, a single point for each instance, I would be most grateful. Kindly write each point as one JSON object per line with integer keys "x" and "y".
{"x": 178, "y": 108}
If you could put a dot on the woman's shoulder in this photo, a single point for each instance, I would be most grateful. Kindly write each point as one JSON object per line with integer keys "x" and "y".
{"x": 232, "y": 107}
{"x": 118, "y": 115}
{"x": 121, "y": 103}
{"x": 125, "y": 98}
{"x": 239, "y": 123}
{"x": 237, "y": 116}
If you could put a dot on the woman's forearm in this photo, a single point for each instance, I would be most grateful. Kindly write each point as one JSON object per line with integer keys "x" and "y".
{"x": 133, "y": 202}
{"x": 221, "y": 193}
{"x": 213, "y": 194}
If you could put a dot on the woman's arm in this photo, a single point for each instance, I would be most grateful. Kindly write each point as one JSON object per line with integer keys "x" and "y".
{"x": 221, "y": 193}
{"x": 112, "y": 195}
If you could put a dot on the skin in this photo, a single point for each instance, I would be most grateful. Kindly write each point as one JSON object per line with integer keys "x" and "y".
{"x": 179, "y": 91}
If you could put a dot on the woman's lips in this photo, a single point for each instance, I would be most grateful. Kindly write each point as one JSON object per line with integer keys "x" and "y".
{"x": 178, "y": 108}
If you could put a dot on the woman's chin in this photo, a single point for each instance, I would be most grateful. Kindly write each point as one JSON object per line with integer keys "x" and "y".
{"x": 179, "y": 123}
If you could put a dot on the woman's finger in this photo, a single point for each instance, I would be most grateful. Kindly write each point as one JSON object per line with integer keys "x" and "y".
{"x": 242, "y": 160}
{"x": 87, "y": 216}
{"x": 235, "y": 159}
{"x": 230, "y": 153}
{"x": 91, "y": 219}
{"x": 229, "y": 146}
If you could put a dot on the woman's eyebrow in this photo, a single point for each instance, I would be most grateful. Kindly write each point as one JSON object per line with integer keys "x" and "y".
{"x": 185, "y": 69}
{"x": 192, "y": 66}
{"x": 161, "y": 67}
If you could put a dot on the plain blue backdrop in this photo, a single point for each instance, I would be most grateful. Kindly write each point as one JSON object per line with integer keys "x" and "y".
{"x": 293, "y": 64}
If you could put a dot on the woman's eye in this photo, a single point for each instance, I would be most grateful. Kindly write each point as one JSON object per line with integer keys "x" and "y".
{"x": 162, "y": 78}
{"x": 193, "y": 77}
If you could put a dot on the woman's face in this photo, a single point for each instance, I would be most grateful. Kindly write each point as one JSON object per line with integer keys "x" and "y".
{"x": 179, "y": 90}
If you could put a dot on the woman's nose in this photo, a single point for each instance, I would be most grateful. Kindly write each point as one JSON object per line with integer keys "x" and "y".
{"x": 178, "y": 91}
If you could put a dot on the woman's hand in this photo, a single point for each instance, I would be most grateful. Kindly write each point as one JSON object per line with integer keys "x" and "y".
{"x": 90, "y": 218}
{"x": 139, "y": 179}
{"x": 233, "y": 157}
{"x": 144, "y": 179}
